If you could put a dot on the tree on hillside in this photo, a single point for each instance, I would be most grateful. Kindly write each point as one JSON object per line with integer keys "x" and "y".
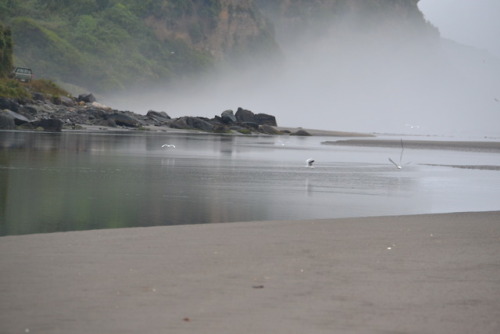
{"x": 5, "y": 51}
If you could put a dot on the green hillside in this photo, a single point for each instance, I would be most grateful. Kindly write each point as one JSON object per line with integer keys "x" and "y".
{"x": 5, "y": 51}
{"x": 113, "y": 44}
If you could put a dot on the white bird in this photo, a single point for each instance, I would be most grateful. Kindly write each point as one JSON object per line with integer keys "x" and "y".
{"x": 168, "y": 145}
{"x": 400, "y": 165}
{"x": 309, "y": 162}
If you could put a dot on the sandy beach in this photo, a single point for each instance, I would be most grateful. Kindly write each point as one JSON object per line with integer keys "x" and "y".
{"x": 407, "y": 274}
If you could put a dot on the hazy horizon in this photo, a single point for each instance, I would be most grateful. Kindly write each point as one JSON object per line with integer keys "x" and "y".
{"x": 350, "y": 82}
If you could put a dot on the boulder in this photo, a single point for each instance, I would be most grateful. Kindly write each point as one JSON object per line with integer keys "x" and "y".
{"x": 266, "y": 119}
{"x": 220, "y": 128}
{"x": 10, "y": 104}
{"x": 38, "y": 96}
{"x": 227, "y": 117}
{"x": 268, "y": 129}
{"x": 200, "y": 124}
{"x": 124, "y": 120}
{"x": 67, "y": 101}
{"x": 243, "y": 116}
{"x": 250, "y": 125}
{"x": 56, "y": 100}
{"x": 18, "y": 118}
{"x": 158, "y": 115}
{"x": 29, "y": 110}
{"x": 93, "y": 113}
{"x": 192, "y": 123}
{"x": 87, "y": 98}
{"x": 6, "y": 121}
{"x": 50, "y": 124}
{"x": 157, "y": 118}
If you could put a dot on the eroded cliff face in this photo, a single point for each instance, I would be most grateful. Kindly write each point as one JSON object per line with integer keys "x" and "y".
{"x": 229, "y": 30}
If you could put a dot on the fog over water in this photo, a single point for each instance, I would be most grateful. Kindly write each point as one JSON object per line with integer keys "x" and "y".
{"x": 350, "y": 79}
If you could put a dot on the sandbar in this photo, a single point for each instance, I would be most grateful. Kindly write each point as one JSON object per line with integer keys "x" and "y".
{"x": 436, "y": 273}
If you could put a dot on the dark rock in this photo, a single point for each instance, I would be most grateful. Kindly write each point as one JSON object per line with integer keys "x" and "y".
{"x": 266, "y": 119}
{"x": 67, "y": 101}
{"x": 157, "y": 118}
{"x": 51, "y": 124}
{"x": 237, "y": 128}
{"x": 300, "y": 132}
{"x": 158, "y": 114}
{"x": 18, "y": 118}
{"x": 200, "y": 124}
{"x": 10, "y": 104}
{"x": 243, "y": 116}
{"x": 192, "y": 123}
{"x": 87, "y": 98}
{"x": 38, "y": 96}
{"x": 268, "y": 129}
{"x": 109, "y": 122}
{"x": 28, "y": 110}
{"x": 6, "y": 121}
{"x": 124, "y": 120}
{"x": 93, "y": 113}
{"x": 220, "y": 128}
{"x": 227, "y": 117}
{"x": 56, "y": 100}
{"x": 53, "y": 113}
{"x": 250, "y": 125}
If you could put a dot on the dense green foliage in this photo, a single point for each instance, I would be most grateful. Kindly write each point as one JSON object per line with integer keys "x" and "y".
{"x": 5, "y": 51}
{"x": 106, "y": 44}
{"x": 11, "y": 88}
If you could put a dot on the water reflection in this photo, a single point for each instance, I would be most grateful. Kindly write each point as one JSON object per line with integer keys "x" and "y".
{"x": 74, "y": 181}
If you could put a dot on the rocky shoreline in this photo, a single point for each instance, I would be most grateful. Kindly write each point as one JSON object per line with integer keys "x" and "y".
{"x": 56, "y": 114}
{"x": 84, "y": 112}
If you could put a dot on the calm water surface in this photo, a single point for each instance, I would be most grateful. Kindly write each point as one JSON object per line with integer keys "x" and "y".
{"x": 78, "y": 181}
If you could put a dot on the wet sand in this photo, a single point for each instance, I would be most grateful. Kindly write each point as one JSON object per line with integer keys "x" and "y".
{"x": 483, "y": 146}
{"x": 408, "y": 274}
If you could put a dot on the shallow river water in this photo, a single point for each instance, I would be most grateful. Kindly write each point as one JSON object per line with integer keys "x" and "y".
{"x": 78, "y": 181}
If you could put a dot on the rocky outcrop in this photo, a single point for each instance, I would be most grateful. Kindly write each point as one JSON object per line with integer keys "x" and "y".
{"x": 6, "y": 121}
{"x": 228, "y": 117}
{"x": 9, "y": 104}
{"x": 50, "y": 124}
{"x": 188, "y": 122}
{"x": 86, "y": 98}
{"x": 43, "y": 113}
{"x": 122, "y": 119}
{"x": 18, "y": 118}
{"x": 246, "y": 116}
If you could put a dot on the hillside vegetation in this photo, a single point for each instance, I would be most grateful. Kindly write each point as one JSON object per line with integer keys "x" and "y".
{"x": 11, "y": 88}
{"x": 5, "y": 51}
{"x": 114, "y": 44}
{"x": 110, "y": 45}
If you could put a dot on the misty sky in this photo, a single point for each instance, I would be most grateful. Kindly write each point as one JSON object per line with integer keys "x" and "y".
{"x": 471, "y": 22}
